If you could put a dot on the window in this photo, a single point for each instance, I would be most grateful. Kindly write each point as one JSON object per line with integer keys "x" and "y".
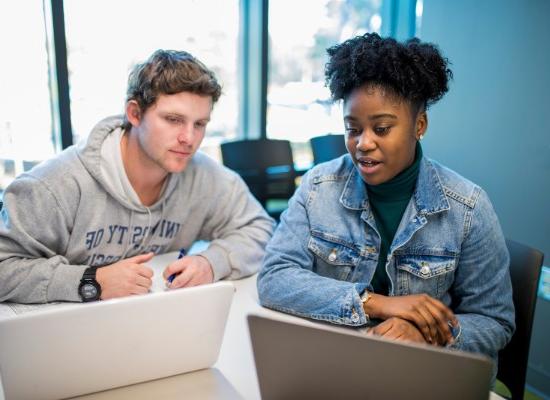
{"x": 105, "y": 39}
{"x": 26, "y": 134}
{"x": 299, "y": 105}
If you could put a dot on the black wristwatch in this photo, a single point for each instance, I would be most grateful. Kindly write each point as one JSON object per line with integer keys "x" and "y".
{"x": 89, "y": 289}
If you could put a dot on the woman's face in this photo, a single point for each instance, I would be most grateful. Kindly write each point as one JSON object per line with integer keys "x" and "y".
{"x": 381, "y": 133}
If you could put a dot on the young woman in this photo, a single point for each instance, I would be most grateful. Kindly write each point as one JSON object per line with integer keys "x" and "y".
{"x": 384, "y": 236}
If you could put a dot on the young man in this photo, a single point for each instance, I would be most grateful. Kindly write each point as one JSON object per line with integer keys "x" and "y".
{"x": 136, "y": 188}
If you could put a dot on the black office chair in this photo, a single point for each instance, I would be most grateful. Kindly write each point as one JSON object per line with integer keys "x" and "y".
{"x": 525, "y": 269}
{"x": 267, "y": 167}
{"x": 327, "y": 147}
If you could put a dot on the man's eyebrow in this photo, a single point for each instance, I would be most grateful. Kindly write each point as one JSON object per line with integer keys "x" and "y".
{"x": 178, "y": 115}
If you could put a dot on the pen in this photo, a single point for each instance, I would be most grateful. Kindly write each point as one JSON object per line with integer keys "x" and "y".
{"x": 180, "y": 255}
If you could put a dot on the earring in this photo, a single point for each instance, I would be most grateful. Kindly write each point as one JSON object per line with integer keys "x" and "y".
{"x": 421, "y": 137}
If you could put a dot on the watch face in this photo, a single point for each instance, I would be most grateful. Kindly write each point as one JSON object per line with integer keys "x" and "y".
{"x": 88, "y": 291}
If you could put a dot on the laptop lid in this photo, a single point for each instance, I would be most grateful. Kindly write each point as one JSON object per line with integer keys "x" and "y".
{"x": 317, "y": 362}
{"x": 68, "y": 351}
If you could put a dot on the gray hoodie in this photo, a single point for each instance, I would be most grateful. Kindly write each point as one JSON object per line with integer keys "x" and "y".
{"x": 79, "y": 209}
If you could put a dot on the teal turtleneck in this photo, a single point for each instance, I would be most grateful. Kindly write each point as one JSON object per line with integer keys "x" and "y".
{"x": 388, "y": 202}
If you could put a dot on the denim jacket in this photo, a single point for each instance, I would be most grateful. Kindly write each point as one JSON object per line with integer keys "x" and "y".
{"x": 449, "y": 245}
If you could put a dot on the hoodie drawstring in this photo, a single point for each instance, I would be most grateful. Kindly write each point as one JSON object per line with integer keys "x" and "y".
{"x": 150, "y": 233}
{"x": 129, "y": 241}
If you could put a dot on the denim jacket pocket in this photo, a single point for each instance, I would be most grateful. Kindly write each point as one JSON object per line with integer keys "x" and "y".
{"x": 334, "y": 258}
{"x": 432, "y": 275}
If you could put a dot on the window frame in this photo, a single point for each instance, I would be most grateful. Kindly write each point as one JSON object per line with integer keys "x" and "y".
{"x": 253, "y": 62}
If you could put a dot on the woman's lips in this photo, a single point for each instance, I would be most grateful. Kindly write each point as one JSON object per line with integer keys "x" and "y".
{"x": 368, "y": 165}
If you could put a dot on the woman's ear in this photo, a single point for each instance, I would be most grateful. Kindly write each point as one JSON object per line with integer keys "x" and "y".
{"x": 133, "y": 112}
{"x": 421, "y": 125}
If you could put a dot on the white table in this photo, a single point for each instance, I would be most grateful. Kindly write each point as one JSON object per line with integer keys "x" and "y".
{"x": 232, "y": 377}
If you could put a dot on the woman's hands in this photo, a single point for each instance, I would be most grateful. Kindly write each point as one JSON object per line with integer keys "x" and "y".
{"x": 398, "y": 329}
{"x": 430, "y": 316}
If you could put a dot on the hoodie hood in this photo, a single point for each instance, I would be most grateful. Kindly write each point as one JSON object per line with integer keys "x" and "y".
{"x": 100, "y": 153}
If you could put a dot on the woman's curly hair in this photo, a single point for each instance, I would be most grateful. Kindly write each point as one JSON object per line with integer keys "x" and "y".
{"x": 413, "y": 70}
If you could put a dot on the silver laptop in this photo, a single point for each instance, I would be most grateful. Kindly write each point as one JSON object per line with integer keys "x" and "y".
{"x": 68, "y": 351}
{"x": 309, "y": 362}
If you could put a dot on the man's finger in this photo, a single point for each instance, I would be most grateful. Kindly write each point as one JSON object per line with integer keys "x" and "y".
{"x": 182, "y": 279}
{"x": 174, "y": 268}
{"x": 141, "y": 258}
{"x": 144, "y": 282}
{"x": 139, "y": 290}
{"x": 144, "y": 271}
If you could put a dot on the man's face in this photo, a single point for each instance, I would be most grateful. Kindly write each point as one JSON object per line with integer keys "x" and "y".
{"x": 381, "y": 133}
{"x": 171, "y": 130}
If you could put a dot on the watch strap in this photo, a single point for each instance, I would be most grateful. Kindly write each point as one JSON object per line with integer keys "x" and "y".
{"x": 89, "y": 273}
{"x": 365, "y": 297}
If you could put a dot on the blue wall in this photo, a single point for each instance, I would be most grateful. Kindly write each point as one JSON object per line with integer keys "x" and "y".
{"x": 494, "y": 124}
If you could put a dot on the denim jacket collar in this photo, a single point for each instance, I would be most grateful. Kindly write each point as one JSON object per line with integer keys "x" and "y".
{"x": 354, "y": 196}
{"x": 429, "y": 195}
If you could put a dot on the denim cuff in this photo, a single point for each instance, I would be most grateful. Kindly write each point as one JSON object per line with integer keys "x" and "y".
{"x": 358, "y": 316}
{"x": 456, "y": 332}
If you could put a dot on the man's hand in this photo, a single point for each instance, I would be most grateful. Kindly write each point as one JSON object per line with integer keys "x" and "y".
{"x": 190, "y": 271}
{"x": 430, "y": 316}
{"x": 398, "y": 329}
{"x": 125, "y": 277}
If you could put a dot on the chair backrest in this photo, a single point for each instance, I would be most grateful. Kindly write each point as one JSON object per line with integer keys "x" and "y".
{"x": 266, "y": 165}
{"x": 525, "y": 268}
{"x": 327, "y": 147}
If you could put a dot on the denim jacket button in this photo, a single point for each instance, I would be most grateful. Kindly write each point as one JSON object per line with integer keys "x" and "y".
{"x": 332, "y": 255}
{"x": 354, "y": 317}
{"x": 425, "y": 270}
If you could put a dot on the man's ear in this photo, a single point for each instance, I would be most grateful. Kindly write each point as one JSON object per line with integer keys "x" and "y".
{"x": 133, "y": 112}
{"x": 421, "y": 124}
